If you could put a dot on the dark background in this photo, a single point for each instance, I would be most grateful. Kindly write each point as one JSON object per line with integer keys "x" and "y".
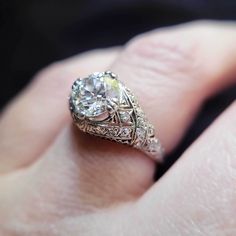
{"x": 36, "y": 33}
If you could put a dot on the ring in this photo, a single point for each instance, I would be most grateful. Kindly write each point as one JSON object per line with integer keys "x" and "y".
{"x": 103, "y": 106}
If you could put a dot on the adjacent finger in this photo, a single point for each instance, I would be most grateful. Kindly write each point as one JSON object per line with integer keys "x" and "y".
{"x": 197, "y": 196}
{"x": 173, "y": 71}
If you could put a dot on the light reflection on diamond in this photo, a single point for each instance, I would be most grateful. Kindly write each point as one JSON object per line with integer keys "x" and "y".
{"x": 91, "y": 95}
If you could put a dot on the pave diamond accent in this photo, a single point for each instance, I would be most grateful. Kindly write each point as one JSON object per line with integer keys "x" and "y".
{"x": 125, "y": 132}
{"x": 125, "y": 116}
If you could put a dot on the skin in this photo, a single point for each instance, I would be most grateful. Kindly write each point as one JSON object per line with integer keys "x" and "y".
{"x": 55, "y": 180}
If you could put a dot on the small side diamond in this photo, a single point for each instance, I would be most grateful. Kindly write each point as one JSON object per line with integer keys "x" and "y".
{"x": 141, "y": 122}
{"x": 153, "y": 145}
{"x": 140, "y": 112}
{"x": 124, "y": 116}
{"x": 133, "y": 99}
{"x": 151, "y": 130}
{"x": 125, "y": 132}
{"x": 140, "y": 137}
{"x": 141, "y": 133}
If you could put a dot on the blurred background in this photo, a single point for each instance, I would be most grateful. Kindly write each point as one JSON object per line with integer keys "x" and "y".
{"x": 36, "y": 33}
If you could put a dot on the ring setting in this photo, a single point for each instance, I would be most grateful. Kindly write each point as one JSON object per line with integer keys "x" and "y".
{"x": 103, "y": 106}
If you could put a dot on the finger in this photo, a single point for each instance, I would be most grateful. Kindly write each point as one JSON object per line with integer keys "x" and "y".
{"x": 32, "y": 120}
{"x": 197, "y": 197}
{"x": 167, "y": 73}
{"x": 198, "y": 194}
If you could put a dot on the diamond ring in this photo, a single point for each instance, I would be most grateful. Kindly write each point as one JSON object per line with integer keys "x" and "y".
{"x": 103, "y": 106}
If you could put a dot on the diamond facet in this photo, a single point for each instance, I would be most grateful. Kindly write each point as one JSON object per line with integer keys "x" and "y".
{"x": 93, "y": 95}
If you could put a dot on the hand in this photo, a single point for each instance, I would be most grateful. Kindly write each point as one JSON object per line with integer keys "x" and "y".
{"x": 56, "y": 180}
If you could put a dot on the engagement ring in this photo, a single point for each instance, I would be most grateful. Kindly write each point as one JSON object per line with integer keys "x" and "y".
{"x": 103, "y": 106}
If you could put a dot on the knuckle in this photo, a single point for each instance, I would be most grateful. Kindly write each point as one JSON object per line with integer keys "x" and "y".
{"x": 180, "y": 55}
{"x": 162, "y": 55}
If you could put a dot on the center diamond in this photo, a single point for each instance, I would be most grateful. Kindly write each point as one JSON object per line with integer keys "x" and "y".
{"x": 92, "y": 96}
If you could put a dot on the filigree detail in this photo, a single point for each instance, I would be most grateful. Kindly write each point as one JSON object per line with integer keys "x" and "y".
{"x": 126, "y": 123}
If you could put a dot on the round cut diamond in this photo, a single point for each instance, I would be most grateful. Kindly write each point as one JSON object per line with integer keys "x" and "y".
{"x": 91, "y": 96}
